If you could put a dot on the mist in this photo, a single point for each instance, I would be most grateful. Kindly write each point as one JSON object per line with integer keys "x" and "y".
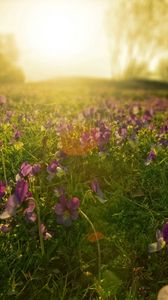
{"x": 138, "y": 40}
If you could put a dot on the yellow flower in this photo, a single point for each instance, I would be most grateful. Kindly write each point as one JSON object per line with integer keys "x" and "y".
{"x": 18, "y": 146}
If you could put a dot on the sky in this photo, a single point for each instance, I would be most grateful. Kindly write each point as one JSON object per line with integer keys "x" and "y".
{"x": 58, "y": 37}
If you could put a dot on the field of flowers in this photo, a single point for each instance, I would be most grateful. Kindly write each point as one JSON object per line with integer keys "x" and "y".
{"x": 83, "y": 192}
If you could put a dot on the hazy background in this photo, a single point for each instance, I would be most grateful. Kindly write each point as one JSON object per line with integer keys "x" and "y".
{"x": 101, "y": 38}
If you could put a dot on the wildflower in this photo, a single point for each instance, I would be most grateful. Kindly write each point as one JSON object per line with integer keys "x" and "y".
{"x": 164, "y": 128}
{"x": 21, "y": 190}
{"x": 151, "y": 156}
{"x": 18, "y": 146}
{"x": 29, "y": 211}
{"x": 162, "y": 239}
{"x": 52, "y": 169}
{"x": 96, "y": 189}
{"x": 2, "y": 189}
{"x": 46, "y": 234}
{"x": 17, "y": 135}
{"x": 15, "y": 200}
{"x": 27, "y": 169}
{"x": 163, "y": 142}
{"x": 123, "y": 132}
{"x": 67, "y": 210}
{"x": 36, "y": 169}
{"x": 4, "y": 228}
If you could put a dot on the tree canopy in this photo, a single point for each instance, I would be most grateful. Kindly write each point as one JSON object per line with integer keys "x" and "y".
{"x": 9, "y": 71}
{"x": 137, "y": 31}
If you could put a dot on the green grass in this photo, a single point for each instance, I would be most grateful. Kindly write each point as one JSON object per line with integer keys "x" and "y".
{"x": 134, "y": 204}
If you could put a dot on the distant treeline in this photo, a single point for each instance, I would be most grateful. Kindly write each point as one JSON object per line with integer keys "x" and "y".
{"x": 138, "y": 38}
{"x": 9, "y": 70}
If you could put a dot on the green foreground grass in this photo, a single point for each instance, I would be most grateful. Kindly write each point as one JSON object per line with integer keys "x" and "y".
{"x": 134, "y": 203}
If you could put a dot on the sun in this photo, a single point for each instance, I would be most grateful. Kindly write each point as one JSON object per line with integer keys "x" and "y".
{"x": 58, "y": 32}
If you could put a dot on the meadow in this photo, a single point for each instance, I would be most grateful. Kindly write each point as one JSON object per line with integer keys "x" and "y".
{"x": 83, "y": 191}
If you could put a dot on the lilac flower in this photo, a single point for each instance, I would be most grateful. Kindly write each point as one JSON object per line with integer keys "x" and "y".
{"x": 15, "y": 200}
{"x": 52, "y": 168}
{"x": 151, "y": 156}
{"x": 85, "y": 138}
{"x": 164, "y": 128}
{"x": 96, "y": 189}
{"x": 67, "y": 210}
{"x": 17, "y": 135}
{"x": 162, "y": 239}
{"x": 36, "y": 169}
{"x": 163, "y": 142}
{"x": 29, "y": 170}
{"x": 26, "y": 169}
{"x": 21, "y": 190}
{"x": 4, "y": 228}
{"x": 164, "y": 232}
{"x": 2, "y": 189}
{"x": 46, "y": 234}
{"x": 10, "y": 209}
{"x": 123, "y": 132}
{"x": 29, "y": 211}
{"x": 105, "y": 133}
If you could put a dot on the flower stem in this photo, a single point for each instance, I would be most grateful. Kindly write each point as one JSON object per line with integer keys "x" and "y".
{"x": 39, "y": 222}
{"x": 97, "y": 241}
{"x": 3, "y": 165}
{"x": 39, "y": 229}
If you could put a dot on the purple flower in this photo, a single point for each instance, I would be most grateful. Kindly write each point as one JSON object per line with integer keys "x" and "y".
{"x": 151, "y": 156}
{"x": 162, "y": 239}
{"x": 2, "y": 189}
{"x": 164, "y": 128}
{"x": 21, "y": 190}
{"x": 15, "y": 200}
{"x": 26, "y": 169}
{"x": 52, "y": 168}
{"x": 29, "y": 211}
{"x": 29, "y": 170}
{"x": 123, "y": 132}
{"x": 96, "y": 189}
{"x": 163, "y": 142}
{"x": 4, "y": 228}
{"x": 46, "y": 234}
{"x": 165, "y": 232}
{"x": 36, "y": 169}
{"x": 67, "y": 210}
{"x": 10, "y": 209}
{"x": 17, "y": 134}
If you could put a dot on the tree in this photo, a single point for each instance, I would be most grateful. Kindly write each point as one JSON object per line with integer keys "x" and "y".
{"x": 9, "y": 71}
{"x": 137, "y": 31}
{"x": 162, "y": 69}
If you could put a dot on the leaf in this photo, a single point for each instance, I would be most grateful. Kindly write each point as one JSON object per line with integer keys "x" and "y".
{"x": 101, "y": 200}
{"x": 111, "y": 283}
{"x": 93, "y": 237}
{"x": 155, "y": 247}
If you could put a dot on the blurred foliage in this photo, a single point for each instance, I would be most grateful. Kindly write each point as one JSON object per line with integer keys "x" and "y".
{"x": 137, "y": 32}
{"x": 9, "y": 71}
{"x": 163, "y": 69}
